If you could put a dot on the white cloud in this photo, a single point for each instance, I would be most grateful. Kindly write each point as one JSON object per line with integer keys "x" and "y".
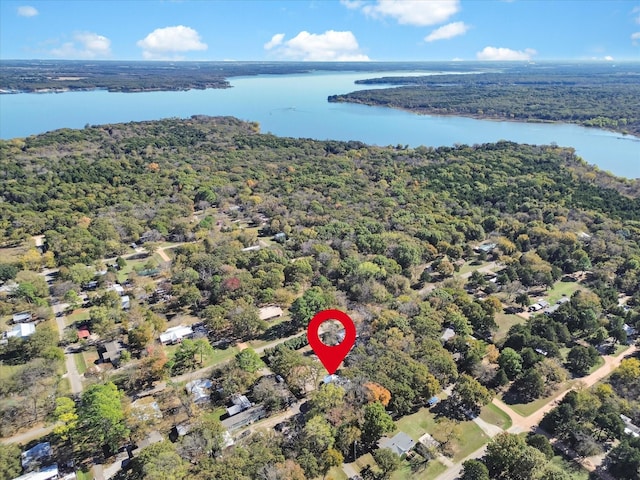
{"x": 447, "y": 31}
{"x": 609, "y": 58}
{"x": 330, "y": 46}
{"x": 414, "y": 12}
{"x": 352, "y": 4}
{"x": 636, "y": 12}
{"x": 85, "y": 45}
{"x": 635, "y": 37}
{"x": 27, "y": 11}
{"x": 499, "y": 53}
{"x": 275, "y": 41}
{"x": 164, "y": 43}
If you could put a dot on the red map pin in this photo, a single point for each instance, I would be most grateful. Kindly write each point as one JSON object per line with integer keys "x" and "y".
{"x": 331, "y": 356}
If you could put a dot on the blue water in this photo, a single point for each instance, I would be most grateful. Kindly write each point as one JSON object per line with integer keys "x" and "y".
{"x": 296, "y": 106}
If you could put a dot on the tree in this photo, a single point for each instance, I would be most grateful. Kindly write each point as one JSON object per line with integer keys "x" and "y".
{"x": 377, "y": 393}
{"x": 523, "y": 300}
{"x": 10, "y": 466}
{"x": 474, "y": 470}
{"x": 311, "y": 302}
{"x": 387, "y": 460}
{"x": 249, "y": 361}
{"x": 317, "y": 435}
{"x": 67, "y": 418}
{"x": 330, "y": 458}
{"x": 530, "y": 385}
{"x": 159, "y": 461}
{"x": 326, "y": 398}
{"x": 581, "y": 359}
{"x": 541, "y": 442}
{"x": 8, "y": 271}
{"x": 469, "y": 394}
{"x": 508, "y": 457}
{"x": 446, "y": 432}
{"x": 189, "y": 355}
{"x": 511, "y": 362}
{"x": 73, "y": 299}
{"x": 101, "y": 417}
{"x": 376, "y": 423}
{"x": 204, "y": 440}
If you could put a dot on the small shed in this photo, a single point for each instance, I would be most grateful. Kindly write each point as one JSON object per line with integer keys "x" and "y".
{"x": 447, "y": 335}
{"x": 83, "y": 332}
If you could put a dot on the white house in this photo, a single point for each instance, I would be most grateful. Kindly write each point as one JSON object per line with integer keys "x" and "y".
{"x": 176, "y": 334}
{"x": 22, "y": 317}
{"x": 22, "y": 330}
{"x": 267, "y": 313}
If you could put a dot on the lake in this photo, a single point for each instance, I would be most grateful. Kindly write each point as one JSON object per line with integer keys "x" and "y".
{"x": 296, "y": 106}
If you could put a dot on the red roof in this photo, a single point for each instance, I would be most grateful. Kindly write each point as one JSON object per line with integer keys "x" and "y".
{"x": 83, "y": 332}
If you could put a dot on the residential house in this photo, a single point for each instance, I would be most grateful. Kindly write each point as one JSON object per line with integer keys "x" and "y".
{"x": 36, "y": 455}
{"x": 242, "y": 419}
{"x": 240, "y": 404}
{"x": 22, "y": 317}
{"x": 125, "y": 302}
{"x": 47, "y": 473}
{"x": 400, "y": 444}
{"x": 629, "y": 427}
{"x": 176, "y": 334}
{"x": 116, "y": 287}
{"x": 22, "y": 330}
{"x": 267, "y": 313}
{"x": 110, "y": 352}
{"x": 200, "y": 389}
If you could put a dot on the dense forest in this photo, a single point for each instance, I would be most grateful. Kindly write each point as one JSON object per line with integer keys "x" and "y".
{"x": 593, "y": 96}
{"x": 255, "y": 220}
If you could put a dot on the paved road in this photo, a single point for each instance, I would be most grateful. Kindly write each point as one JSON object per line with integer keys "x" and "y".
{"x": 75, "y": 379}
{"x": 525, "y": 424}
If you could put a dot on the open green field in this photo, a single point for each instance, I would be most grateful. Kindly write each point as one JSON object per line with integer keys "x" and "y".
{"x": 470, "y": 267}
{"x": 492, "y": 414}
{"x": 78, "y": 315}
{"x": 526, "y": 409}
{"x": 218, "y": 355}
{"x": 433, "y": 469}
{"x": 505, "y": 322}
{"x": 561, "y": 289}
{"x": 423, "y": 421}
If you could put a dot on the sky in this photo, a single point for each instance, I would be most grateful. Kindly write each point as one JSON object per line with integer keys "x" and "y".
{"x": 321, "y": 30}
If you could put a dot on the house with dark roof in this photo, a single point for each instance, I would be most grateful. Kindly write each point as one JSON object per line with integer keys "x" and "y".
{"x": 110, "y": 352}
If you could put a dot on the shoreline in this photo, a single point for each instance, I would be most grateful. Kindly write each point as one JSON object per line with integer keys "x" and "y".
{"x": 476, "y": 116}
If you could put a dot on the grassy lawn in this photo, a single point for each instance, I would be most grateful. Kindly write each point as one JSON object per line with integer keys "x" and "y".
{"x": 78, "y": 315}
{"x": 472, "y": 438}
{"x": 561, "y": 289}
{"x": 336, "y": 473}
{"x": 364, "y": 460}
{"x": 620, "y": 349}
{"x": 505, "y": 322}
{"x": 494, "y": 415}
{"x": 526, "y": 409}
{"x": 218, "y": 356}
{"x": 469, "y": 267}
{"x": 80, "y": 363}
{"x": 417, "y": 424}
{"x": 434, "y": 468}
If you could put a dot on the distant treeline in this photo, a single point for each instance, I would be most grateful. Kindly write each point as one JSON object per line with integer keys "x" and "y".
{"x": 43, "y": 76}
{"x": 588, "y": 96}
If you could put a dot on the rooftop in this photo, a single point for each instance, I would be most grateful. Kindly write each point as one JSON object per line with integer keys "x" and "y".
{"x": 399, "y": 444}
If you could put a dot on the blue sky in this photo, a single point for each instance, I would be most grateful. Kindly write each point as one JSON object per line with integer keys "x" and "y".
{"x": 383, "y": 30}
